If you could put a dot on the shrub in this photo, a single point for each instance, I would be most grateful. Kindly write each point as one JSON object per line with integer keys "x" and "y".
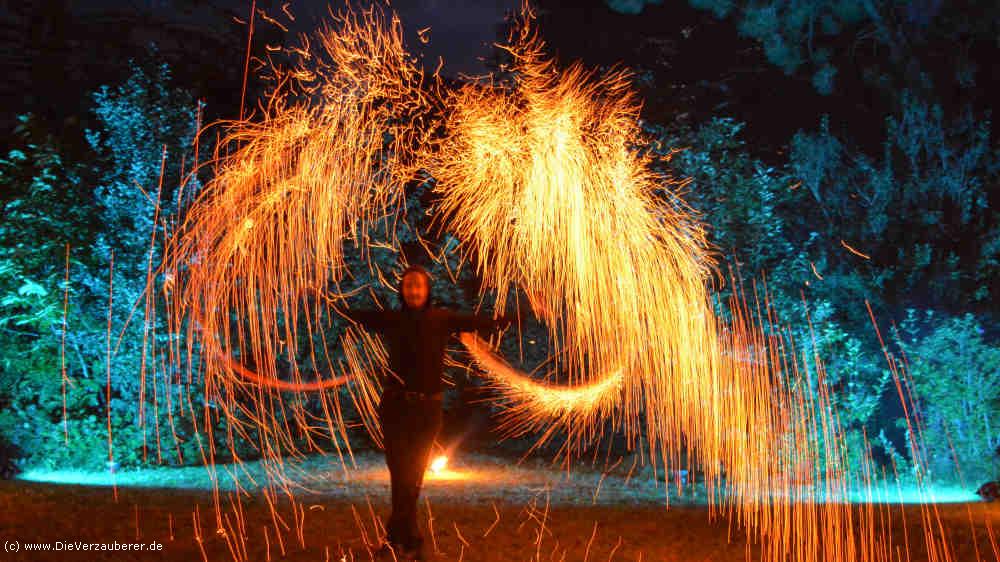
{"x": 954, "y": 378}
{"x": 51, "y": 202}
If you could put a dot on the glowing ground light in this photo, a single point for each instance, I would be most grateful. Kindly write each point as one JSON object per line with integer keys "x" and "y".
{"x": 439, "y": 470}
{"x": 438, "y": 464}
{"x": 540, "y": 180}
{"x": 194, "y": 479}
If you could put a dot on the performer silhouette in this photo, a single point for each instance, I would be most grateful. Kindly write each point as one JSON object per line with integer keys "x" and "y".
{"x": 415, "y": 336}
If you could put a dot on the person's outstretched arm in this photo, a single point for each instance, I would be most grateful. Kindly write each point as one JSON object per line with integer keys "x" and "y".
{"x": 371, "y": 319}
{"x": 458, "y": 322}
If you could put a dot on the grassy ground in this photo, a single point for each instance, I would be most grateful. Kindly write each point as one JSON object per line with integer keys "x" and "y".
{"x": 484, "y": 511}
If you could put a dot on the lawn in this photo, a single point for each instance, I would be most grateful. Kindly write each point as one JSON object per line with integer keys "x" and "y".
{"x": 485, "y": 509}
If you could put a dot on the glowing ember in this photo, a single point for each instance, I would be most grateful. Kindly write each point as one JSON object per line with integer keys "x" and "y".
{"x": 439, "y": 464}
{"x": 540, "y": 179}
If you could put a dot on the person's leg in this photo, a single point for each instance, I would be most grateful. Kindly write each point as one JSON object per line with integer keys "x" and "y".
{"x": 394, "y": 442}
{"x": 409, "y": 491}
{"x": 426, "y": 422}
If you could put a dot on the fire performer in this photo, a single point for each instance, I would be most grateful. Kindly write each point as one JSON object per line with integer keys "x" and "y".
{"x": 410, "y": 413}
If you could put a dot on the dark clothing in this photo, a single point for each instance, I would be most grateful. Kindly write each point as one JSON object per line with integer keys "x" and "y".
{"x": 408, "y": 429}
{"x": 416, "y": 341}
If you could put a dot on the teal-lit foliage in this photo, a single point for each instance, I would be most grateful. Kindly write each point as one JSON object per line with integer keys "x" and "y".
{"x": 759, "y": 220}
{"x": 920, "y": 204}
{"x": 920, "y": 209}
{"x": 101, "y": 206}
{"x": 41, "y": 215}
{"x": 631, "y": 6}
{"x": 954, "y": 375}
{"x": 894, "y": 44}
{"x": 144, "y": 135}
{"x": 784, "y": 224}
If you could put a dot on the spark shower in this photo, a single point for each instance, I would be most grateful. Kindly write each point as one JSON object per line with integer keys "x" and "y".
{"x": 537, "y": 172}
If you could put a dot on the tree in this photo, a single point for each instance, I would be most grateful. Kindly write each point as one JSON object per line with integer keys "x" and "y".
{"x": 100, "y": 208}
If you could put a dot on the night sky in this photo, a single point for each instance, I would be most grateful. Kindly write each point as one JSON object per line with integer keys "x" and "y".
{"x": 461, "y": 31}
{"x": 846, "y": 182}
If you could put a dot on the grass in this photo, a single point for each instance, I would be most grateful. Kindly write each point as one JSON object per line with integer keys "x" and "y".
{"x": 488, "y": 509}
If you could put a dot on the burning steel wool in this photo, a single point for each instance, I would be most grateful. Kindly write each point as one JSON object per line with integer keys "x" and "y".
{"x": 267, "y": 234}
{"x": 540, "y": 180}
{"x": 538, "y": 175}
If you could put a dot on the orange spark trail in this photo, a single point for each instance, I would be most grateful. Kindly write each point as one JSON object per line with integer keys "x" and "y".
{"x": 539, "y": 176}
{"x": 540, "y": 179}
{"x": 541, "y": 182}
{"x": 324, "y": 158}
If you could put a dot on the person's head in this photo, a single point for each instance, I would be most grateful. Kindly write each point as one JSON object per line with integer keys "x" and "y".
{"x": 415, "y": 287}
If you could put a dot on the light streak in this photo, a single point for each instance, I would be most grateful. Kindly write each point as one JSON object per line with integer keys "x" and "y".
{"x": 541, "y": 182}
{"x": 816, "y": 273}
{"x": 246, "y": 63}
{"x": 855, "y": 252}
{"x": 254, "y": 378}
{"x": 323, "y": 159}
{"x": 539, "y": 177}
{"x": 534, "y": 405}
{"x": 438, "y": 464}
{"x": 62, "y": 348}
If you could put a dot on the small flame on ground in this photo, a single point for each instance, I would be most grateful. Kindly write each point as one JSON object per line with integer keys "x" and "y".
{"x": 438, "y": 464}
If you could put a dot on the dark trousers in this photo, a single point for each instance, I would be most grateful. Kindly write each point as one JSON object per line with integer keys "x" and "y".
{"x": 408, "y": 431}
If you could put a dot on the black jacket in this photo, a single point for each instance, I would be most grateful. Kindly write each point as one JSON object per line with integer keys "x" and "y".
{"x": 416, "y": 341}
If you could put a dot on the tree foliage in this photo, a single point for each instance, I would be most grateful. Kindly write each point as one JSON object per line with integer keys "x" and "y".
{"x": 64, "y": 220}
{"x": 784, "y": 228}
{"x": 954, "y": 375}
{"x": 897, "y": 45}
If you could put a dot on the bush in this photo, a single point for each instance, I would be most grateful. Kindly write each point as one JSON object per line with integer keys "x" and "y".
{"x": 787, "y": 223}
{"x": 51, "y": 204}
{"x": 954, "y": 378}
{"x": 922, "y": 208}
{"x": 42, "y": 214}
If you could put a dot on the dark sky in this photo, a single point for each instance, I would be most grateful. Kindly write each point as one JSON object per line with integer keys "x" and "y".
{"x": 461, "y": 31}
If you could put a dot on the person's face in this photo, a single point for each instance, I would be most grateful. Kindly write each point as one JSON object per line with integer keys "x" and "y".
{"x": 415, "y": 289}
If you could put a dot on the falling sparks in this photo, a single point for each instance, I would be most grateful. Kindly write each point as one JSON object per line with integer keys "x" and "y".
{"x": 853, "y": 251}
{"x": 538, "y": 174}
{"x": 291, "y": 187}
{"x": 541, "y": 182}
{"x": 325, "y": 157}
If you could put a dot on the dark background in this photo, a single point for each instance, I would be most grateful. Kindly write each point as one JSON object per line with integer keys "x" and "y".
{"x": 697, "y": 65}
{"x": 897, "y": 156}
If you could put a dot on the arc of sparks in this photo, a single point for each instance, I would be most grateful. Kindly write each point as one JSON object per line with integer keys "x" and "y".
{"x": 540, "y": 180}
{"x": 549, "y": 399}
{"x": 313, "y": 169}
{"x": 278, "y": 384}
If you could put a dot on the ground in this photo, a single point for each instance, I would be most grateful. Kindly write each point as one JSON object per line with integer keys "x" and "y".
{"x": 487, "y": 509}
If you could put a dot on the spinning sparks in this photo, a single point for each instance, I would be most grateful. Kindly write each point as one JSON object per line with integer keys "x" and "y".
{"x": 540, "y": 178}
{"x": 267, "y": 233}
{"x": 537, "y": 407}
{"x": 541, "y": 181}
